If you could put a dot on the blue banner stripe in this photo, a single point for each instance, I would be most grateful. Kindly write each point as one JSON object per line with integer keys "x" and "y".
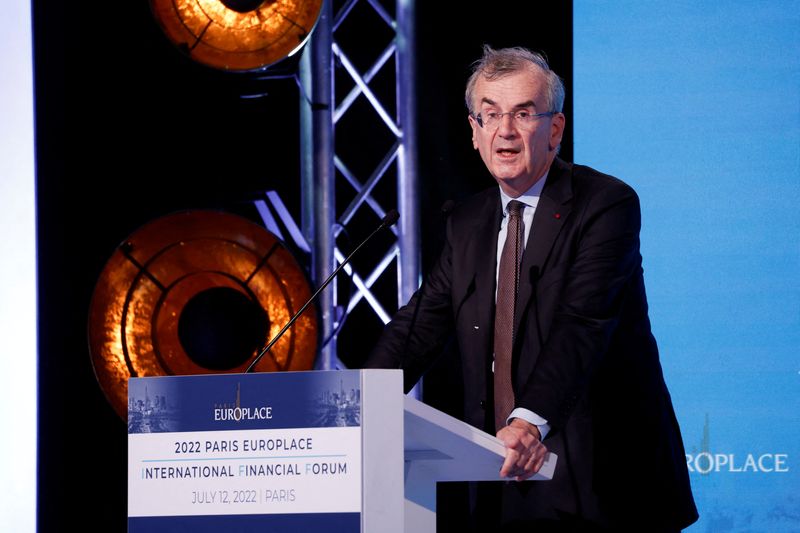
{"x": 280, "y": 400}
{"x": 274, "y": 523}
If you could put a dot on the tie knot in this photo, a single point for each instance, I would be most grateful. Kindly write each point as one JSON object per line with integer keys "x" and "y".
{"x": 515, "y": 208}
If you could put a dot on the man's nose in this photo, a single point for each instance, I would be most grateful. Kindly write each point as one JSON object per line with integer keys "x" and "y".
{"x": 507, "y": 126}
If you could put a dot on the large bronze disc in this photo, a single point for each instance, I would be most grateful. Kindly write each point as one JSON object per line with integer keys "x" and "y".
{"x": 237, "y": 35}
{"x": 194, "y": 293}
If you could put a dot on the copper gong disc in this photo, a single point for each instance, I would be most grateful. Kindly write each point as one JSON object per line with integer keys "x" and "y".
{"x": 195, "y": 293}
{"x": 238, "y": 35}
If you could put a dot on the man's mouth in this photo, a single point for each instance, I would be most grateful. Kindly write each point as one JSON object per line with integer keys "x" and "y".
{"x": 506, "y": 152}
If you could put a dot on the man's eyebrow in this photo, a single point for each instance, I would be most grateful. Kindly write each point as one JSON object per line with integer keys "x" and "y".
{"x": 529, "y": 103}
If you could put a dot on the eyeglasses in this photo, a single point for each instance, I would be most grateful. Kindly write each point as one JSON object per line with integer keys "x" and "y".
{"x": 491, "y": 120}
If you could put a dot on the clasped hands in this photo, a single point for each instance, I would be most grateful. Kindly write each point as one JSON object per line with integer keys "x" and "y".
{"x": 525, "y": 453}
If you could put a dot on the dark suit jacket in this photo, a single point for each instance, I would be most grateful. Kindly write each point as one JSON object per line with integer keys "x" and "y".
{"x": 584, "y": 356}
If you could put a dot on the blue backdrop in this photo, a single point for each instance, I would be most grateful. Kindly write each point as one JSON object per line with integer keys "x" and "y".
{"x": 697, "y": 105}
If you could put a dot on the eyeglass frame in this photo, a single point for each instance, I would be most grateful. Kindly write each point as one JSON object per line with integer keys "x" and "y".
{"x": 530, "y": 116}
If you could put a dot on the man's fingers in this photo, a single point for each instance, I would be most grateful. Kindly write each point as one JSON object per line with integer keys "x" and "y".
{"x": 517, "y": 463}
{"x": 523, "y": 464}
{"x": 539, "y": 462}
{"x": 525, "y": 453}
{"x": 536, "y": 461}
{"x": 509, "y": 467}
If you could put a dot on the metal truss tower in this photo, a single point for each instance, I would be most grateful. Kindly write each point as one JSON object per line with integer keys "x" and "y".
{"x": 343, "y": 75}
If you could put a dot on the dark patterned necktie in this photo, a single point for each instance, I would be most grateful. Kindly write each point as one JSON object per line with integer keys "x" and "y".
{"x": 507, "y": 289}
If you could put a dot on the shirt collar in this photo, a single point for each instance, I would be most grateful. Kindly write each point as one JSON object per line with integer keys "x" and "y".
{"x": 530, "y": 197}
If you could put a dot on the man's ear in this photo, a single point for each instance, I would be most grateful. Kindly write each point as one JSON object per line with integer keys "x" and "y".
{"x": 474, "y": 124}
{"x": 557, "y": 125}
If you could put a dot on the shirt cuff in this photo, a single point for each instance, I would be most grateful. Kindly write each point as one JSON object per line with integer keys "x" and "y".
{"x": 531, "y": 417}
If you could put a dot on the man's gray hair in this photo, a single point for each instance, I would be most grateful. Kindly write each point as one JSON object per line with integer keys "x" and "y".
{"x": 506, "y": 61}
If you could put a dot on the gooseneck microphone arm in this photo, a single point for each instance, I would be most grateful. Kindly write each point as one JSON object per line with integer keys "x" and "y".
{"x": 389, "y": 220}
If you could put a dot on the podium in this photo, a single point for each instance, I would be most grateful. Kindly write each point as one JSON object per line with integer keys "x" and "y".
{"x": 334, "y": 451}
{"x": 438, "y": 447}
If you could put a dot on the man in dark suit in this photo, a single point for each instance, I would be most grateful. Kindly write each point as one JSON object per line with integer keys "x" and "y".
{"x": 541, "y": 281}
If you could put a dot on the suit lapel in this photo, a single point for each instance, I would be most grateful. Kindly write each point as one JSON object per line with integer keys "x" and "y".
{"x": 551, "y": 213}
{"x": 484, "y": 243}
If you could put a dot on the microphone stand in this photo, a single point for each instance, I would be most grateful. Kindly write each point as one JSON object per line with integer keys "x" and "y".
{"x": 389, "y": 220}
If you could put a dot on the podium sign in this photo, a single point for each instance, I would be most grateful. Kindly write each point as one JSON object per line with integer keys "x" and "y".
{"x": 270, "y": 452}
{"x": 338, "y": 451}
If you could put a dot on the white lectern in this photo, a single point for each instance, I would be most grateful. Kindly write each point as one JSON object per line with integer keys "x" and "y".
{"x": 334, "y": 451}
{"x": 439, "y": 447}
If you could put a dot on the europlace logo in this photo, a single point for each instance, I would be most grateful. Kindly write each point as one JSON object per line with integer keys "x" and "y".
{"x": 707, "y": 462}
{"x": 235, "y": 412}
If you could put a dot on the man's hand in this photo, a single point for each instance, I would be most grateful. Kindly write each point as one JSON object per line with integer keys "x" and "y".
{"x": 525, "y": 453}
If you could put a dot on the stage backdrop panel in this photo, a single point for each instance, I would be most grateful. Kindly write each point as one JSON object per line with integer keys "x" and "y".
{"x": 697, "y": 105}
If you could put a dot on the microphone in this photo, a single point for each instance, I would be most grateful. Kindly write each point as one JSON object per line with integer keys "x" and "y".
{"x": 388, "y": 220}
